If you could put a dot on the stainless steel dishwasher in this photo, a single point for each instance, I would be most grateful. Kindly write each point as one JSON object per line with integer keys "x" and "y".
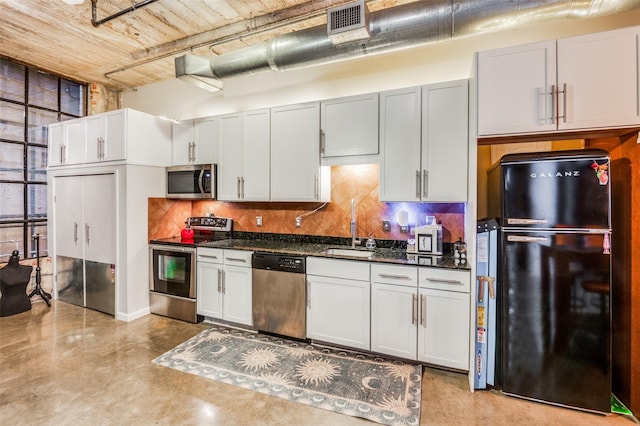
{"x": 279, "y": 294}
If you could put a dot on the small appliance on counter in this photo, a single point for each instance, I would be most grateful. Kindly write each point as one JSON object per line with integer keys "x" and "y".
{"x": 173, "y": 267}
{"x": 428, "y": 239}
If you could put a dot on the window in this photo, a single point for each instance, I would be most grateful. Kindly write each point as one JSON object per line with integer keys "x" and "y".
{"x": 30, "y": 100}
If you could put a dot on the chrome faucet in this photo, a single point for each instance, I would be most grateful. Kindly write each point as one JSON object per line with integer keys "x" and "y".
{"x": 353, "y": 223}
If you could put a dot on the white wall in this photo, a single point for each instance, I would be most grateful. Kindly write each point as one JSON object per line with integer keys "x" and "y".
{"x": 432, "y": 63}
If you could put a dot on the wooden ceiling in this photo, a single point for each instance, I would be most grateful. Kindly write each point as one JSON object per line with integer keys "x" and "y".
{"x": 139, "y": 47}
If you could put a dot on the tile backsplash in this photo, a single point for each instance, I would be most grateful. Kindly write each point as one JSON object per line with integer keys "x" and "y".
{"x": 168, "y": 217}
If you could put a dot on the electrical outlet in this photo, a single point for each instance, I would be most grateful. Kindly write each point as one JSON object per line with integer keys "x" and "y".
{"x": 386, "y": 225}
{"x": 258, "y": 220}
{"x": 298, "y": 222}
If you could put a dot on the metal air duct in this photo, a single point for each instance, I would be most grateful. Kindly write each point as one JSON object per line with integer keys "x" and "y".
{"x": 399, "y": 27}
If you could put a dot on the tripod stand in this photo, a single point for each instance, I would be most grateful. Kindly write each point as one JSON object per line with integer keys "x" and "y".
{"x": 38, "y": 290}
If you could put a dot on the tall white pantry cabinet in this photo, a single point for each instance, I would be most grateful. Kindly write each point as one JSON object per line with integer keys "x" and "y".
{"x": 98, "y": 212}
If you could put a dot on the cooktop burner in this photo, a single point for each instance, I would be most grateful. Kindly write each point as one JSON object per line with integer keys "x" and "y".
{"x": 205, "y": 229}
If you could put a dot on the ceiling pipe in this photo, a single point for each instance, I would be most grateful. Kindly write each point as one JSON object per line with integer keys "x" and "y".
{"x": 94, "y": 11}
{"x": 395, "y": 28}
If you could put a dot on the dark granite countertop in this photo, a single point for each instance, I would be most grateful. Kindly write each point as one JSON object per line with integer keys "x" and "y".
{"x": 386, "y": 251}
{"x": 316, "y": 248}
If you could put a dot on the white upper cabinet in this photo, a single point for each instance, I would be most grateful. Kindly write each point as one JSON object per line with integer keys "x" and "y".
{"x": 195, "y": 141}
{"x": 568, "y": 84}
{"x": 122, "y": 135}
{"x": 349, "y": 129}
{"x": 229, "y": 156}
{"x": 445, "y": 141}
{"x": 66, "y": 140}
{"x": 514, "y": 89}
{"x": 244, "y": 146}
{"x": 599, "y": 76}
{"x": 57, "y": 144}
{"x": 296, "y": 174}
{"x": 424, "y": 141}
{"x": 105, "y": 140}
{"x": 400, "y": 142}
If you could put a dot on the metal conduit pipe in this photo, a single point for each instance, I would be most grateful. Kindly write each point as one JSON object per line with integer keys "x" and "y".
{"x": 396, "y": 28}
{"x": 94, "y": 11}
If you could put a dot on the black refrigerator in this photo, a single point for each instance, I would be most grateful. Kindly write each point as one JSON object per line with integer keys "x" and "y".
{"x": 555, "y": 242}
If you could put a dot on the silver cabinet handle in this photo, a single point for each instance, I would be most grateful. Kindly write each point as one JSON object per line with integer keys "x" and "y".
{"x": 418, "y": 184}
{"x": 87, "y": 229}
{"x": 235, "y": 259}
{"x": 238, "y": 187}
{"x": 316, "y": 191}
{"x": 219, "y": 280}
{"x": 242, "y": 187}
{"x": 438, "y": 280}
{"x": 414, "y": 309}
{"x": 75, "y": 232}
{"x": 423, "y": 310}
{"x": 224, "y": 289}
{"x": 564, "y": 103}
{"x": 192, "y": 151}
{"x": 394, "y": 277}
{"x": 323, "y": 142}
{"x": 208, "y": 256}
{"x": 308, "y": 294}
{"x": 425, "y": 184}
{"x": 554, "y": 104}
{"x": 98, "y": 148}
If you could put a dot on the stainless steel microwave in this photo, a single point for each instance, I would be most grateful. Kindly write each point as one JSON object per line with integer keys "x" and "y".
{"x": 193, "y": 182}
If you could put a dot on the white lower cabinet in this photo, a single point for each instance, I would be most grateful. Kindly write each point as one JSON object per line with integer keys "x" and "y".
{"x": 394, "y": 310}
{"x": 209, "y": 282}
{"x": 338, "y": 302}
{"x": 224, "y": 285}
{"x": 444, "y": 302}
{"x": 421, "y": 314}
{"x": 443, "y": 333}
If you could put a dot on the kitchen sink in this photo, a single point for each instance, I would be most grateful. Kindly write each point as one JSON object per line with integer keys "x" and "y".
{"x": 348, "y": 252}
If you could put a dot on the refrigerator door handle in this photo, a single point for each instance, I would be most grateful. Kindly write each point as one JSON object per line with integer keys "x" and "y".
{"x": 481, "y": 280}
{"x": 525, "y": 239}
{"x": 492, "y": 287}
{"x": 525, "y": 221}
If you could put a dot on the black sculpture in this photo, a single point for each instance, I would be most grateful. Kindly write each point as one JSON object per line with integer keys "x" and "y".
{"x": 13, "y": 284}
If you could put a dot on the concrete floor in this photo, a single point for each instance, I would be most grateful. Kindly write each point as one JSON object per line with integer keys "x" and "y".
{"x": 67, "y": 365}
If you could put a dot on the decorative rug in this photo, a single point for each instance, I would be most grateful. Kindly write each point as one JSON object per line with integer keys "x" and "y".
{"x": 361, "y": 385}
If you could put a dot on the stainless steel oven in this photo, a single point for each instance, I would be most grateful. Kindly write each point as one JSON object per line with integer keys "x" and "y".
{"x": 173, "y": 281}
{"x": 173, "y": 287}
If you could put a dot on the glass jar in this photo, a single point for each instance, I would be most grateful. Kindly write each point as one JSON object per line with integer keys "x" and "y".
{"x": 460, "y": 251}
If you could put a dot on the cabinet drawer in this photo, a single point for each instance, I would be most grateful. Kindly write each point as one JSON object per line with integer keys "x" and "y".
{"x": 347, "y": 269}
{"x": 444, "y": 279}
{"x": 238, "y": 257}
{"x": 210, "y": 255}
{"x": 394, "y": 274}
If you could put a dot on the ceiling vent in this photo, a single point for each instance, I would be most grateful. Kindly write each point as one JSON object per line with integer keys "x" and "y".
{"x": 349, "y": 22}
